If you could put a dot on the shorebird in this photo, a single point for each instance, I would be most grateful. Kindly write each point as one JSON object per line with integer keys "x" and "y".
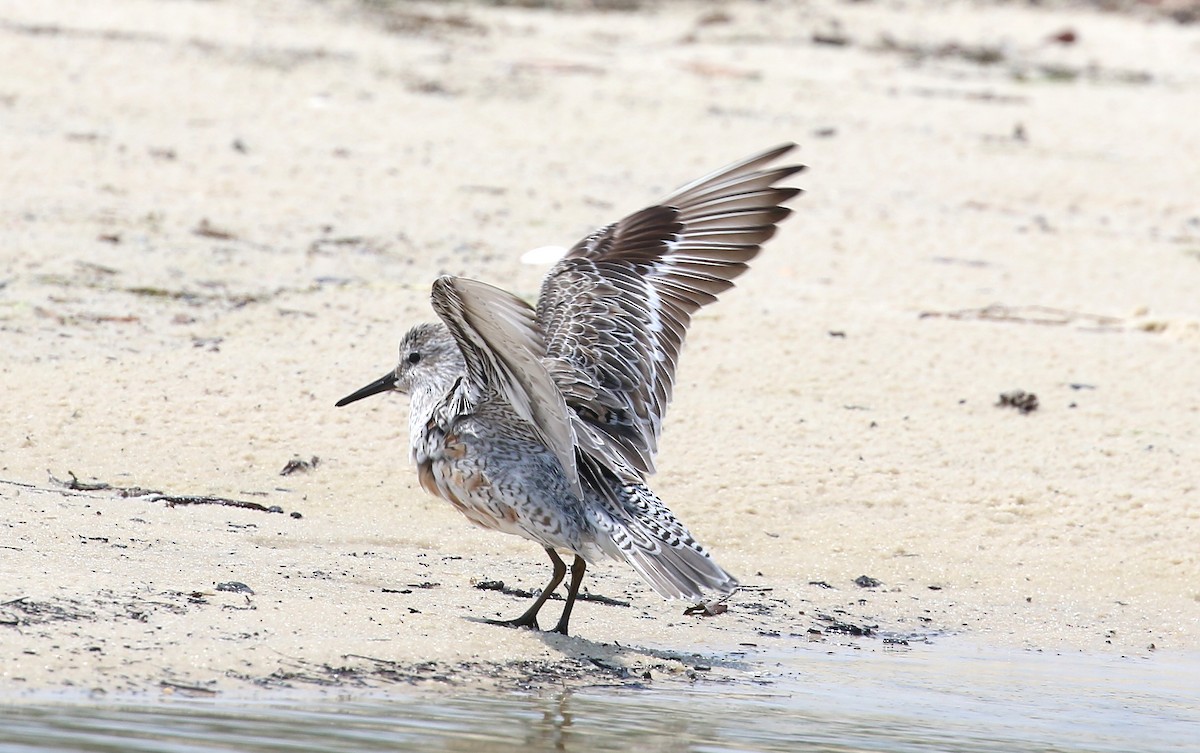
{"x": 544, "y": 422}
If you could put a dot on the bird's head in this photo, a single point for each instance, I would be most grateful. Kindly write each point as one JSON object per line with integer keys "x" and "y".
{"x": 430, "y": 361}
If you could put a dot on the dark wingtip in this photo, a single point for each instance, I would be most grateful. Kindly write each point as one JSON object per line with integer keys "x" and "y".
{"x": 789, "y": 193}
{"x": 782, "y": 149}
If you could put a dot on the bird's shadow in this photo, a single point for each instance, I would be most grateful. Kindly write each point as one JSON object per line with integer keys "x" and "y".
{"x": 603, "y": 655}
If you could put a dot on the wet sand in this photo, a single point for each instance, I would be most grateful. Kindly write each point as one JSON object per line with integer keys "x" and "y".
{"x": 220, "y": 217}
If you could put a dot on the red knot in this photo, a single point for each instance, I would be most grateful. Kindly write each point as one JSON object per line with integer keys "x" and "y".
{"x": 544, "y": 422}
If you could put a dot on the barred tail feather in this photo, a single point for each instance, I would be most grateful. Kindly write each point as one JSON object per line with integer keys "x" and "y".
{"x": 680, "y": 572}
{"x": 634, "y": 525}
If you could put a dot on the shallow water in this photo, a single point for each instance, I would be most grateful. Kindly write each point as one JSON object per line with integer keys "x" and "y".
{"x": 928, "y": 698}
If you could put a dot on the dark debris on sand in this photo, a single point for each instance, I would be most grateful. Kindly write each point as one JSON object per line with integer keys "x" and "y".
{"x": 1025, "y": 402}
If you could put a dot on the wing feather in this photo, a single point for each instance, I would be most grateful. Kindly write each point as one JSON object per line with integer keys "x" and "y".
{"x": 502, "y": 343}
{"x": 615, "y": 310}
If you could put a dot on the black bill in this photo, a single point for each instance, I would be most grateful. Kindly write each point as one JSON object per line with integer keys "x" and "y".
{"x": 383, "y": 384}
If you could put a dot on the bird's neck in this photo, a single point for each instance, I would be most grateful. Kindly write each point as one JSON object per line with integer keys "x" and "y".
{"x": 432, "y": 409}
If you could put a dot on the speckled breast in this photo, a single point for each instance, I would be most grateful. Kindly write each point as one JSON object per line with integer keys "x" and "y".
{"x": 452, "y": 470}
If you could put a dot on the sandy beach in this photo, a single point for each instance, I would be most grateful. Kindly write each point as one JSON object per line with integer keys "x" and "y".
{"x": 220, "y": 217}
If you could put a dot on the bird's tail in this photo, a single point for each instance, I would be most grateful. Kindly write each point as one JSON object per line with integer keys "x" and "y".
{"x": 635, "y": 526}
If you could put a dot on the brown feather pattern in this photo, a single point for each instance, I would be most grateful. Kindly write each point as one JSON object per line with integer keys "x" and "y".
{"x": 615, "y": 311}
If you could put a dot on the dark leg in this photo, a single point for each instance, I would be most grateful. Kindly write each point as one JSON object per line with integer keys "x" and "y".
{"x": 529, "y": 619}
{"x": 577, "y": 568}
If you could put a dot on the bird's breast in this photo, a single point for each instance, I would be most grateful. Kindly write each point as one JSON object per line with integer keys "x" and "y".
{"x": 449, "y": 468}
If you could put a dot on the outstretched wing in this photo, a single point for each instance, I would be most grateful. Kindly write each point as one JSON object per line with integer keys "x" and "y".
{"x": 615, "y": 310}
{"x": 503, "y": 347}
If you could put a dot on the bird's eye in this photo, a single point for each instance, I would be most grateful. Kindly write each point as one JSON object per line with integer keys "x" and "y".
{"x": 414, "y": 357}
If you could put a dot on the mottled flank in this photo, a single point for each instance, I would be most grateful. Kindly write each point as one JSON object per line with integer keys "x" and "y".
{"x": 544, "y": 422}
